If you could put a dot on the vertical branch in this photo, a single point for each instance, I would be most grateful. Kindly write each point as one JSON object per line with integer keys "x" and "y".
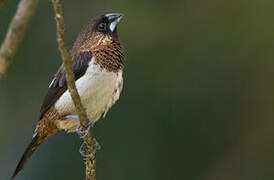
{"x": 15, "y": 32}
{"x": 90, "y": 162}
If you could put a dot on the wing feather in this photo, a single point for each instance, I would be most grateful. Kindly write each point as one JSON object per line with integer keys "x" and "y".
{"x": 58, "y": 85}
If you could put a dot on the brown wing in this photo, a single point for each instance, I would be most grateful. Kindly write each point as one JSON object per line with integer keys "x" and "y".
{"x": 58, "y": 85}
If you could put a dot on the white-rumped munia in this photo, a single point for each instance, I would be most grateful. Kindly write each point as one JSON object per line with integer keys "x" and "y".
{"x": 97, "y": 62}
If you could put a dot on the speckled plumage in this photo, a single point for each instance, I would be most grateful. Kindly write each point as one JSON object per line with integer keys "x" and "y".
{"x": 97, "y": 60}
{"x": 110, "y": 57}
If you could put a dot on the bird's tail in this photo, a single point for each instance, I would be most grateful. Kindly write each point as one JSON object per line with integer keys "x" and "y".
{"x": 35, "y": 142}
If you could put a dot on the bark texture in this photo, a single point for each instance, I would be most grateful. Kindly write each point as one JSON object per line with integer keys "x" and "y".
{"x": 88, "y": 140}
{"x": 16, "y": 31}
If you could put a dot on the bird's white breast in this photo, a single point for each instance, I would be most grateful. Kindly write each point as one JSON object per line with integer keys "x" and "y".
{"x": 98, "y": 89}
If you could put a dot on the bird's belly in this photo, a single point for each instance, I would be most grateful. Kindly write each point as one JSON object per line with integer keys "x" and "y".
{"x": 97, "y": 95}
{"x": 97, "y": 89}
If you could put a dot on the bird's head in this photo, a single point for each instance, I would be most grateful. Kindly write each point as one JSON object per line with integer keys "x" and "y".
{"x": 100, "y": 31}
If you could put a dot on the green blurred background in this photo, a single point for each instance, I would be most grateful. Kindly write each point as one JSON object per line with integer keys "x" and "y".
{"x": 198, "y": 92}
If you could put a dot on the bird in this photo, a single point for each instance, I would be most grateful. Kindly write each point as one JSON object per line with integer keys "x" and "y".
{"x": 97, "y": 61}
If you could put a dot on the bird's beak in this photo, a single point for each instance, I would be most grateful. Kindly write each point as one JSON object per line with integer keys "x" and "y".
{"x": 114, "y": 18}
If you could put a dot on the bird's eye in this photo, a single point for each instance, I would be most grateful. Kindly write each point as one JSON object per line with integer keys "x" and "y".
{"x": 102, "y": 26}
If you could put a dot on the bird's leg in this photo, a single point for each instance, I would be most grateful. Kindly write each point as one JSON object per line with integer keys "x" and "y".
{"x": 80, "y": 132}
{"x": 83, "y": 149}
{"x": 83, "y": 133}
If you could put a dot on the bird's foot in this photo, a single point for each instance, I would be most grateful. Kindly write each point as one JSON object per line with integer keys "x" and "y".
{"x": 80, "y": 132}
{"x": 84, "y": 151}
{"x": 83, "y": 133}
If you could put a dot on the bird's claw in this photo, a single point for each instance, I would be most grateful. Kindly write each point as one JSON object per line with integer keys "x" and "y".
{"x": 83, "y": 133}
{"x": 83, "y": 149}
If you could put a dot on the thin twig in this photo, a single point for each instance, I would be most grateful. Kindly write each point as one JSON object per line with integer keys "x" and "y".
{"x": 90, "y": 162}
{"x": 15, "y": 33}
